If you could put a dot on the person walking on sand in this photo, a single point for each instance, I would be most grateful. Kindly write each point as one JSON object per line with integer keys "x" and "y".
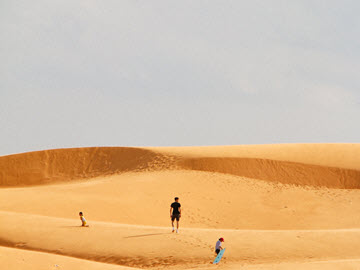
{"x": 83, "y": 220}
{"x": 175, "y": 213}
{"x": 218, "y": 246}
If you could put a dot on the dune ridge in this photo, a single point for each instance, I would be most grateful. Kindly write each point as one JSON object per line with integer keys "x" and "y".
{"x": 279, "y": 171}
{"x": 59, "y": 165}
{"x": 51, "y": 166}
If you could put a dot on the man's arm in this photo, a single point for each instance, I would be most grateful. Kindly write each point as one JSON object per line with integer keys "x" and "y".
{"x": 170, "y": 211}
{"x": 180, "y": 211}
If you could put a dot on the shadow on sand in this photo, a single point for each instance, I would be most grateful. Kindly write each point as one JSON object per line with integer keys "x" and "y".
{"x": 72, "y": 226}
{"x": 144, "y": 235}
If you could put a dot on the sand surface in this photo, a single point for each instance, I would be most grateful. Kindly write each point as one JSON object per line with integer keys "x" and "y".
{"x": 291, "y": 206}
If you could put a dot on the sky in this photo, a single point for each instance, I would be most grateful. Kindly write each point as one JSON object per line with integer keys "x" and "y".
{"x": 178, "y": 73}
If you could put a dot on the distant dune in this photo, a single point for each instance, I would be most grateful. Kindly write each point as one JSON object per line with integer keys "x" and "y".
{"x": 51, "y": 166}
{"x": 289, "y": 206}
{"x": 328, "y": 165}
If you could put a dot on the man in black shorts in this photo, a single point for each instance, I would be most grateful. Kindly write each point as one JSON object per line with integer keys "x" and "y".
{"x": 175, "y": 213}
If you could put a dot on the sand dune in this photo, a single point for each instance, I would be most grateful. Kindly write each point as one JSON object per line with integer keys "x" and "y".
{"x": 328, "y": 155}
{"x": 332, "y": 166}
{"x": 278, "y": 207}
{"x": 63, "y": 165}
{"x": 15, "y": 259}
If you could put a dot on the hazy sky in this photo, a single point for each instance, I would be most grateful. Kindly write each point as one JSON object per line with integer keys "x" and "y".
{"x": 175, "y": 73}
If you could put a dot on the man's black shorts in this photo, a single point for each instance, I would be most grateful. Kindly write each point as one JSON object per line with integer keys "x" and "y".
{"x": 217, "y": 251}
{"x": 175, "y": 216}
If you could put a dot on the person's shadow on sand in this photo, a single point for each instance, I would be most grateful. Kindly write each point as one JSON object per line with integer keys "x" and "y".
{"x": 73, "y": 226}
{"x": 144, "y": 235}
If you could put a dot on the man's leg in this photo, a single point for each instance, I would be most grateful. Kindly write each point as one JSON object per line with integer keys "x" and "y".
{"x": 172, "y": 224}
{"x": 177, "y": 225}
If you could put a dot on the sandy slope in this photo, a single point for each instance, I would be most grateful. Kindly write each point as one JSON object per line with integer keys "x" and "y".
{"x": 328, "y": 155}
{"x": 244, "y": 193}
{"x": 332, "y": 165}
{"x": 15, "y": 259}
{"x": 317, "y": 265}
{"x": 149, "y": 246}
{"x": 210, "y": 200}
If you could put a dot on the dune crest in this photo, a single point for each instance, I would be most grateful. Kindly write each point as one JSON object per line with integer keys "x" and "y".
{"x": 62, "y": 165}
{"x": 297, "y": 167}
{"x": 279, "y": 171}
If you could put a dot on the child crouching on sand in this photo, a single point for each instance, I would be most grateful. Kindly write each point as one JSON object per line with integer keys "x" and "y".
{"x": 83, "y": 220}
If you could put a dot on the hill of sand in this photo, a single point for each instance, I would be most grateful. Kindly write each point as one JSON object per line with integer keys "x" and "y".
{"x": 291, "y": 206}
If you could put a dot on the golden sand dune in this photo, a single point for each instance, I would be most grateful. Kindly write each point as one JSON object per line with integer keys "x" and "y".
{"x": 44, "y": 167}
{"x": 15, "y": 259}
{"x": 278, "y": 207}
{"x": 332, "y": 165}
{"x": 149, "y": 246}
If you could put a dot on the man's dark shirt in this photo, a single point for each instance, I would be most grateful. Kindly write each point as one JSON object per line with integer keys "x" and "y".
{"x": 175, "y": 206}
